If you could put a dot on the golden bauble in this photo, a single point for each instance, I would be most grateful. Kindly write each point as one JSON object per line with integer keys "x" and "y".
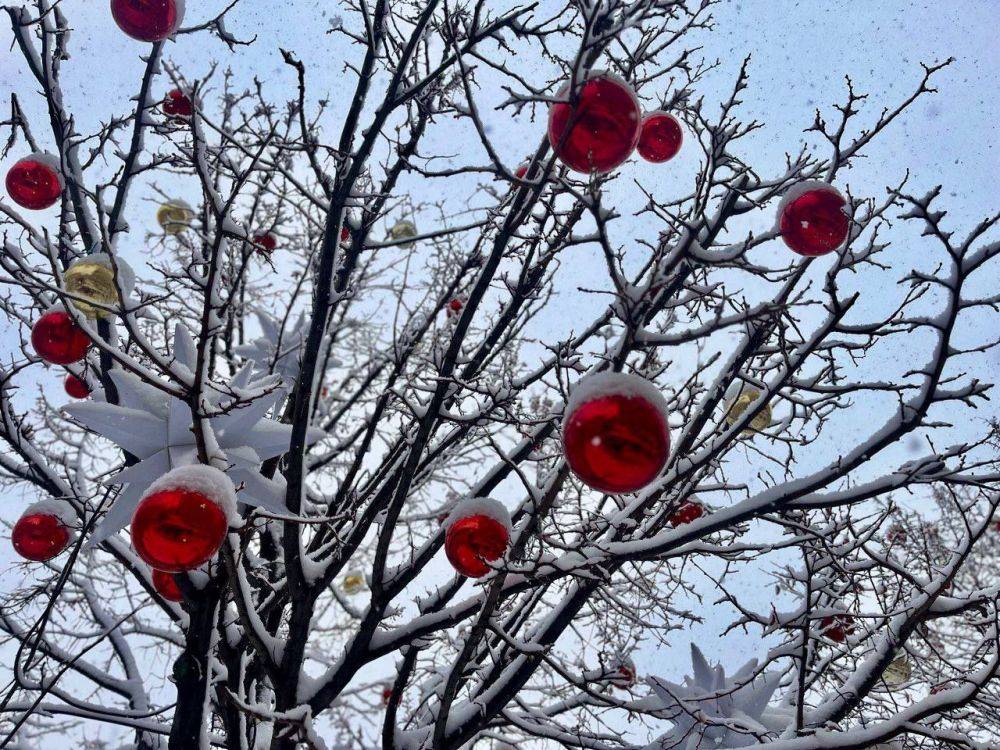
{"x": 92, "y": 281}
{"x": 174, "y": 217}
{"x": 353, "y": 583}
{"x": 736, "y": 406}
{"x": 897, "y": 672}
{"x": 403, "y": 229}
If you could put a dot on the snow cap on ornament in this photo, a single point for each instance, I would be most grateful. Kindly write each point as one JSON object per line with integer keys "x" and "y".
{"x": 148, "y": 20}
{"x": 92, "y": 279}
{"x": 814, "y": 218}
{"x": 35, "y": 181}
{"x": 614, "y": 432}
{"x": 44, "y": 530}
{"x": 477, "y": 532}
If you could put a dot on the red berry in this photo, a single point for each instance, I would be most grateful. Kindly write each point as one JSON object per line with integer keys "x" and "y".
{"x": 148, "y": 20}
{"x": 39, "y": 536}
{"x": 837, "y": 627}
{"x": 660, "y": 137}
{"x": 616, "y": 443}
{"x": 815, "y": 222}
{"x": 178, "y": 530}
{"x": 600, "y": 130}
{"x": 34, "y": 182}
{"x": 688, "y": 512}
{"x": 265, "y": 241}
{"x": 472, "y": 542}
{"x": 166, "y": 586}
{"x": 75, "y": 387}
{"x": 177, "y": 104}
{"x": 57, "y": 339}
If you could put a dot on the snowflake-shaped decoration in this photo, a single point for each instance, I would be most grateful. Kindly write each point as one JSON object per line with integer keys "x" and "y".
{"x": 711, "y": 710}
{"x": 276, "y": 350}
{"x": 157, "y": 429}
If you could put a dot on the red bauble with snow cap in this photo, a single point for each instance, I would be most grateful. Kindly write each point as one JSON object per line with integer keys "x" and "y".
{"x": 177, "y": 104}
{"x": 148, "y": 20}
{"x": 477, "y": 532}
{"x": 837, "y": 627}
{"x": 75, "y": 387}
{"x": 688, "y": 511}
{"x": 43, "y": 531}
{"x": 814, "y": 218}
{"x": 35, "y": 182}
{"x": 57, "y": 339}
{"x": 599, "y": 129}
{"x": 265, "y": 241}
{"x": 660, "y": 137}
{"x": 166, "y": 586}
{"x": 183, "y": 518}
{"x": 615, "y": 434}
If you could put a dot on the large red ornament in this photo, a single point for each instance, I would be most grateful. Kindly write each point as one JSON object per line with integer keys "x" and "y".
{"x": 35, "y": 182}
{"x": 600, "y": 130}
{"x": 57, "y": 339}
{"x": 75, "y": 387}
{"x": 177, "y": 104}
{"x": 166, "y": 586}
{"x": 837, "y": 627}
{"x": 688, "y": 512}
{"x": 660, "y": 137}
{"x": 478, "y": 533}
{"x": 265, "y": 241}
{"x": 615, "y": 435}
{"x": 148, "y": 20}
{"x": 813, "y": 219}
{"x": 176, "y": 530}
{"x": 41, "y": 533}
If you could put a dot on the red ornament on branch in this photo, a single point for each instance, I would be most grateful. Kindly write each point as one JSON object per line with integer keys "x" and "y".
{"x": 75, "y": 387}
{"x": 454, "y": 308}
{"x": 35, "y": 182}
{"x": 183, "y": 518}
{"x": 813, "y": 219}
{"x": 177, "y": 104}
{"x": 688, "y": 511}
{"x": 660, "y": 137}
{"x": 522, "y": 170}
{"x": 599, "y": 129}
{"x": 166, "y": 586}
{"x": 43, "y": 531}
{"x": 148, "y": 20}
{"x": 623, "y": 674}
{"x": 615, "y": 434}
{"x": 837, "y": 627}
{"x": 57, "y": 339}
{"x": 265, "y": 241}
{"x": 477, "y": 533}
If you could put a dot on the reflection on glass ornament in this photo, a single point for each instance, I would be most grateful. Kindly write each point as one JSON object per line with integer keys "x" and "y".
{"x": 738, "y": 398}
{"x": 174, "y": 216}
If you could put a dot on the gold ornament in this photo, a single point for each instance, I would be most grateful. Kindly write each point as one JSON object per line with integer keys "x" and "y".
{"x": 174, "y": 217}
{"x": 92, "y": 280}
{"x": 353, "y": 583}
{"x": 897, "y": 672}
{"x": 403, "y": 229}
{"x": 738, "y": 404}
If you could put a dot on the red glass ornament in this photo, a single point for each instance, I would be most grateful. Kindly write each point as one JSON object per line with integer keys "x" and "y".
{"x": 454, "y": 308}
{"x": 688, "y": 512}
{"x": 600, "y": 130}
{"x": 472, "y": 542}
{"x": 39, "y": 536}
{"x": 148, "y": 20}
{"x": 265, "y": 241}
{"x": 166, "y": 586}
{"x": 522, "y": 170}
{"x": 345, "y": 235}
{"x": 386, "y": 695}
{"x": 660, "y": 137}
{"x": 75, "y": 387}
{"x": 34, "y": 182}
{"x": 815, "y": 222}
{"x": 57, "y": 339}
{"x": 837, "y": 627}
{"x": 624, "y": 677}
{"x": 177, "y": 104}
{"x": 178, "y": 530}
{"x": 616, "y": 443}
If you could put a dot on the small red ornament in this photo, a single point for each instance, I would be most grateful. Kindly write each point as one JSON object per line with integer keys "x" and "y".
{"x": 454, "y": 308}
{"x": 148, "y": 20}
{"x": 660, "y": 137}
{"x": 177, "y": 529}
{"x": 615, "y": 436}
{"x": 75, "y": 387}
{"x": 41, "y": 533}
{"x": 57, "y": 339}
{"x": 688, "y": 512}
{"x": 345, "y": 235}
{"x": 265, "y": 241}
{"x": 386, "y": 695}
{"x": 35, "y": 182}
{"x": 600, "y": 130}
{"x": 813, "y": 219}
{"x": 837, "y": 627}
{"x": 166, "y": 586}
{"x": 522, "y": 170}
{"x": 478, "y": 532}
{"x": 623, "y": 675}
{"x": 177, "y": 104}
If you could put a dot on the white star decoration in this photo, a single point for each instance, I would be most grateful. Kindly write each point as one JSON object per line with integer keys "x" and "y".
{"x": 157, "y": 429}
{"x": 264, "y": 351}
